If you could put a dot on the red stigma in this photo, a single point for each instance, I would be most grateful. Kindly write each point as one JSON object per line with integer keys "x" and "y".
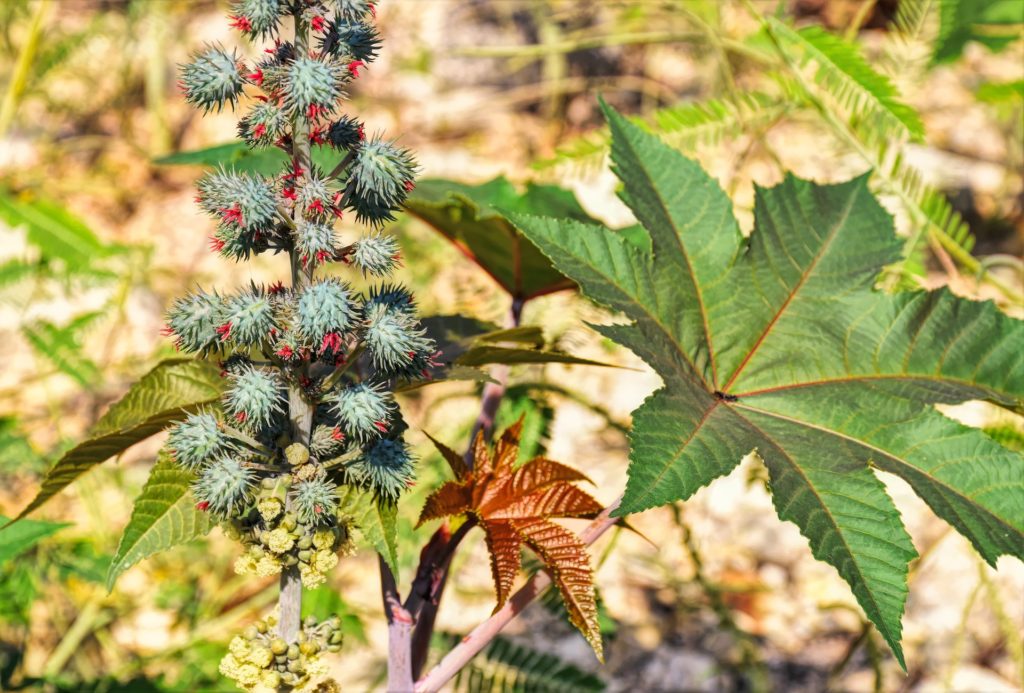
{"x": 233, "y": 214}
{"x": 224, "y": 331}
{"x": 203, "y": 505}
{"x": 362, "y": 132}
{"x": 317, "y": 509}
{"x": 336, "y": 434}
{"x": 381, "y": 426}
{"x": 353, "y": 67}
{"x": 322, "y": 256}
{"x": 241, "y": 416}
{"x": 332, "y": 341}
{"x": 317, "y": 206}
{"x": 409, "y": 186}
{"x": 285, "y": 352}
{"x": 167, "y": 331}
{"x": 259, "y": 131}
{"x": 241, "y": 22}
{"x": 276, "y": 287}
{"x": 257, "y": 77}
{"x": 373, "y": 9}
{"x": 318, "y": 23}
{"x": 290, "y": 194}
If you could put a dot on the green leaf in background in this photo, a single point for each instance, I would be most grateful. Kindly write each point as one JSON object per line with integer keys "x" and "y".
{"x": 993, "y": 23}
{"x": 377, "y": 522}
{"x": 164, "y": 515}
{"x": 474, "y": 218}
{"x": 844, "y": 74}
{"x": 24, "y": 535}
{"x": 778, "y": 344}
{"x": 506, "y": 666}
{"x": 238, "y": 156}
{"x": 57, "y": 233}
{"x": 164, "y": 395}
{"x": 62, "y": 346}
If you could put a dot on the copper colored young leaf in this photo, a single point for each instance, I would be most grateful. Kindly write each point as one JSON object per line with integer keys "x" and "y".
{"x": 513, "y": 506}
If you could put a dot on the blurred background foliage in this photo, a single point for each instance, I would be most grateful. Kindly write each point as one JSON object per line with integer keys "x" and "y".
{"x": 98, "y": 153}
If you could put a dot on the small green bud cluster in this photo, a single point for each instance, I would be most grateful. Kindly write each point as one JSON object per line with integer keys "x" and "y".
{"x": 309, "y": 537}
{"x": 259, "y": 660}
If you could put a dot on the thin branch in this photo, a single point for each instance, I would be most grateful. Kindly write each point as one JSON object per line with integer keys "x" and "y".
{"x": 478, "y": 639}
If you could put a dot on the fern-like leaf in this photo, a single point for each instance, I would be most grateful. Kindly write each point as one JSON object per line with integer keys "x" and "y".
{"x": 843, "y": 73}
{"x": 505, "y": 666}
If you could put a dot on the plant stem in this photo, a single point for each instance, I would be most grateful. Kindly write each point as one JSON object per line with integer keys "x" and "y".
{"x": 300, "y": 412}
{"x": 478, "y": 639}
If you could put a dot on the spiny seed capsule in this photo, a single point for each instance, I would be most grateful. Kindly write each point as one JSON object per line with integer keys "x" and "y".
{"x": 393, "y": 337}
{"x": 375, "y": 254}
{"x": 254, "y": 396}
{"x": 345, "y": 133}
{"x": 386, "y": 466}
{"x": 194, "y": 319}
{"x": 353, "y": 10}
{"x": 393, "y": 297}
{"x": 315, "y": 242}
{"x": 225, "y": 486}
{"x": 249, "y": 318}
{"x": 315, "y": 501}
{"x": 212, "y": 79}
{"x": 256, "y": 17}
{"x": 312, "y": 85}
{"x": 325, "y": 313}
{"x": 197, "y": 440}
{"x": 355, "y": 40}
{"x": 314, "y": 196}
{"x": 364, "y": 410}
{"x": 380, "y": 180}
{"x": 265, "y": 124}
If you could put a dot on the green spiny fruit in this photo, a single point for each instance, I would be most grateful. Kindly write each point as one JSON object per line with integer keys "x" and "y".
{"x": 315, "y": 500}
{"x": 315, "y": 242}
{"x": 375, "y": 254}
{"x": 213, "y": 79}
{"x": 364, "y": 410}
{"x": 385, "y": 466}
{"x": 193, "y": 321}
{"x": 349, "y": 39}
{"x": 265, "y": 125}
{"x": 325, "y": 314}
{"x": 393, "y": 338}
{"x": 249, "y": 318}
{"x": 345, "y": 133}
{"x": 197, "y": 440}
{"x": 313, "y": 86}
{"x": 254, "y": 396}
{"x": 225, "y": 486}
{"x": 380, "y": 180}
{"x": 256, "y": 17}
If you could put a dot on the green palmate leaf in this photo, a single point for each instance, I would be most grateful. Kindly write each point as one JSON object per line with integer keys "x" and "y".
{"x": 24, "y": 535}
{"x": 778, "y": 344}
{"x": 164, "y": 516}
{"x": 377, "y": 521}
{"x": 847, "y": 77}
{"x": 164, "y": 395}
{"x": 237, "y": 156}
{"x": 475, "y": 219}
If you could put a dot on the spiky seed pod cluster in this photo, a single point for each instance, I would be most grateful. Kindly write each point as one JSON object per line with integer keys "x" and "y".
{"x": 212, "y": 79}
{"x": 381, "y": 178}
{"x": 336, "y": 350}
{"x": 259, "y": 659}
